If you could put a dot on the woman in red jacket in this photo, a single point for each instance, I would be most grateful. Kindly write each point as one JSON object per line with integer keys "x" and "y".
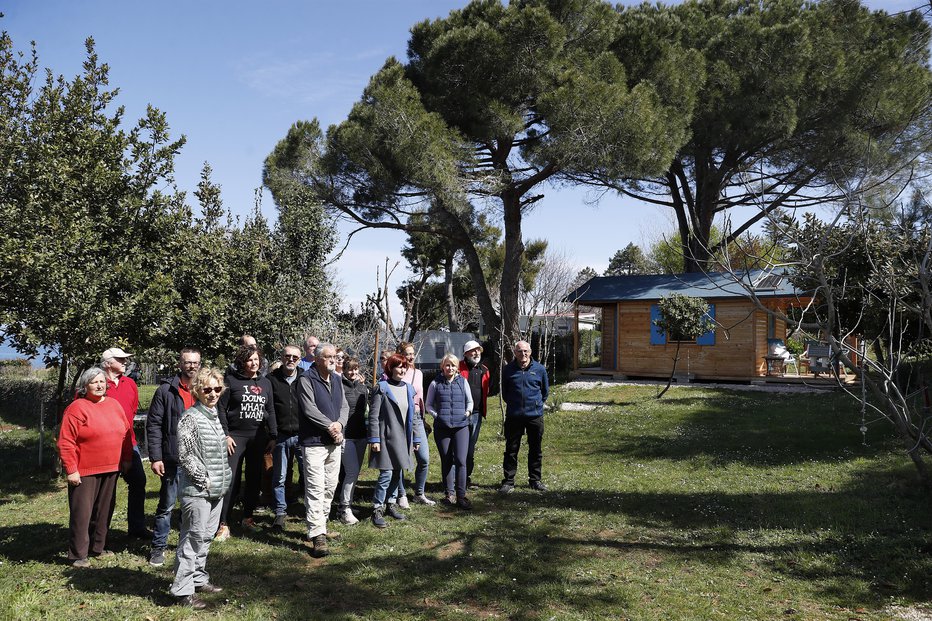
{"x": 95, "y": 445}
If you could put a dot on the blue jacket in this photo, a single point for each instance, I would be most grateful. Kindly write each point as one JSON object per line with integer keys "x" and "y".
{"x": 162, "y": 421}
{"x": 525, "y": 390}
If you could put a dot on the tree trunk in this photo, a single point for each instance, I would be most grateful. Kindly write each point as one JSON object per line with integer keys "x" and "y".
{"x": 452, "y": 319}
{"x": 676, "y": 358}
{"x": 511, "y": 270}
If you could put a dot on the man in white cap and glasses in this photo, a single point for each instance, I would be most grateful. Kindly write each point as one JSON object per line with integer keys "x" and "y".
{"x": 125, "y": 392}
{"x": 477, "y": 376}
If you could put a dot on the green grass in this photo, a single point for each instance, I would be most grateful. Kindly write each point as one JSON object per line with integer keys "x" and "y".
{"x": 708, "y": 504}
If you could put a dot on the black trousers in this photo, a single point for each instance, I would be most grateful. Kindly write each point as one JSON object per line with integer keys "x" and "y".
{"x": 515, "y": 427}
{"x": 250, "y": 447}
{"x": 135, "y": 479}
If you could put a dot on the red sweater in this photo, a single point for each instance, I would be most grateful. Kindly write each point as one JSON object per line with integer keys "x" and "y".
{"x": 94, "y": 437}
{"x": 126, "y": 394}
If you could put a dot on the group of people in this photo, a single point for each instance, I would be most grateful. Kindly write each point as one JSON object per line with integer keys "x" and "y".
{"x": 205, "y": 427}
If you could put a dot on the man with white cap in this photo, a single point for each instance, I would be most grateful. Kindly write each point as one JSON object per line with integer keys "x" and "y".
{"x": 125, "y": 392}
{"x": 477, "y": 376}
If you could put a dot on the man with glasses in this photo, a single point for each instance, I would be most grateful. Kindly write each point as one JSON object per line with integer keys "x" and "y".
{"x": 171, "y": 399}
{"x": 285, "y": 385}
{"x": 324, "y": 412}
{"x": 125, "y": 392}
{"x": 524, "y": 390}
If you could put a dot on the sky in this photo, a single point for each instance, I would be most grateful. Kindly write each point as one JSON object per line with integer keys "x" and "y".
{"x": 233, "y": 76}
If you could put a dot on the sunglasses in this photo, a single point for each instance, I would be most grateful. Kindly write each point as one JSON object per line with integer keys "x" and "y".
{"x": 216, "y": 389}
{"x": 290, "y": 357}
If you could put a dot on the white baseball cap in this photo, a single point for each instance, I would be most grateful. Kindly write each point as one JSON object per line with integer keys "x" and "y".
{"x": 471, "y": 345}
{"x": 115, "y": 352}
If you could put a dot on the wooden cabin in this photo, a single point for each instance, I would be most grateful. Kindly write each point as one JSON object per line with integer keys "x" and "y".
{"x": 632, "y": 346}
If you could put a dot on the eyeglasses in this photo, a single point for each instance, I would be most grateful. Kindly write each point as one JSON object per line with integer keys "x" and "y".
{"x": 190, "y": 363}
{"x": 208, "y": 390}
{"x": 291, "y": 357}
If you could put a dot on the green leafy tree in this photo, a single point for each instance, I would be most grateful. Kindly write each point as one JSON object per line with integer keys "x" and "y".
{"x": 494, "y": 102}
{"x": 797, "y": 97}
{"x": 682, "y": 318}
{"x": 92, "y": 232}
{"x": 627, "y": 262}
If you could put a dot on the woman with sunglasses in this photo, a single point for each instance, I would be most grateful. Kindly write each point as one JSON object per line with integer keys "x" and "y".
{"x": 204, "y": 476}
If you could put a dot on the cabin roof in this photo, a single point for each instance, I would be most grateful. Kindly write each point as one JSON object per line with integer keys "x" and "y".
{"x": 713, "y": 285}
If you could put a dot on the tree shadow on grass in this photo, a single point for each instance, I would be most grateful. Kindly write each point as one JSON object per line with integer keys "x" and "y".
{"x": 34, "y": 541}
{"x": 858, "y": 543}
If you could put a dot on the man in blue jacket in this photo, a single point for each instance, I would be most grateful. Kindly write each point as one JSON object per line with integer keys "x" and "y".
{"x": 524, "y": 390}
{"x": 171, "y": 399}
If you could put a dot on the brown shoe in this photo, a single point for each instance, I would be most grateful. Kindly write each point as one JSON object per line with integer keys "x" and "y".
{"x": 464, "y": 503}
{"x": 207, "y": 587}
{"x": 192, "y": 601}
{"x": 320, "y": 547}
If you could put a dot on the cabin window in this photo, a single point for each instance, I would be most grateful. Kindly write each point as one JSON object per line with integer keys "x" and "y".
{"x": 659, "y": 337}
{"x": 440, "y": 350}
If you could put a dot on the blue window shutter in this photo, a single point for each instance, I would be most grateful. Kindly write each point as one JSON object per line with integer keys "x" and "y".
{"x": 709, "y": 337}
{"x": 657, "y": 336}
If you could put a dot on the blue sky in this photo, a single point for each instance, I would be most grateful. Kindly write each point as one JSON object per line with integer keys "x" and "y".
{"x": 233, "y": 76}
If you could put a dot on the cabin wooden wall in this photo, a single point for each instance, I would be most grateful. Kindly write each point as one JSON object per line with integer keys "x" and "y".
{"x": 608, "y": 337}
{"x": 737, "y": 354}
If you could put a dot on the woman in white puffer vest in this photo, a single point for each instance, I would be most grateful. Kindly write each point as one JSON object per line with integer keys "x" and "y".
{"x": 204, "y": 477}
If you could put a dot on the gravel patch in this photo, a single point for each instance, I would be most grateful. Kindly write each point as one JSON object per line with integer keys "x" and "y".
{"x": 910, "y": 613}
{"x": 587, "y": 384}
{"x": 578, "y": 407}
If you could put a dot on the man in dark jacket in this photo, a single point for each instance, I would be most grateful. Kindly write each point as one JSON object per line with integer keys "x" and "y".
{"x": 477, "y": 376}
{"x": 171, "y": 399}
{"x": 525, "y": 388}
{"x": 285, "y": 385}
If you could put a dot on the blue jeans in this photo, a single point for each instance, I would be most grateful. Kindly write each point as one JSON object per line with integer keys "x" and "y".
{"x": 422, "y": 456}
{"x": 475, "y": 424}
{"x": 387, "y": 483}
{"x": 168, "y": 493}
{"x": 280, "y": 469}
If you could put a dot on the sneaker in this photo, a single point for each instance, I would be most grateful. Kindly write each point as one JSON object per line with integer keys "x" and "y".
{"x": 157, "y": 557}
{"x": 393, "y": 512}
{"x": 223, "y": 533}
{"x": 421, "y": 499}
{"x": 537, "y": 486}
{"x": 207, "y": 587}
{"x": 249, "y": 525}
{"x": 449, "y": 500}
{"x": 279, "y": 524}
{"x": 192, "y": 601}
{"x": 104, "y": 554}
{"x": 81, "y": 563}
{"x": 506, "y": 488}
{"x": 464, "y": 503}
{"x": 320, "y": 547}
{"x": 378, "y": 519}
{"x": 346, "y": 516}
{"x": 471, "y": 485}
{"x": 403, "y": 502}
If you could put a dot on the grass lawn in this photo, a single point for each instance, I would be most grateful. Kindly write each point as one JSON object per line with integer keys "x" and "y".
{"x": 709, "y": 504}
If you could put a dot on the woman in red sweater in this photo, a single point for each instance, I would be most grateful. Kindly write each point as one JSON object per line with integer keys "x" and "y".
{"x": 94, "y": 445}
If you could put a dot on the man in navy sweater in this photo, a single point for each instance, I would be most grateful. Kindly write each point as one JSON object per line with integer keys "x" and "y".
{"x": 524, "y": 390}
